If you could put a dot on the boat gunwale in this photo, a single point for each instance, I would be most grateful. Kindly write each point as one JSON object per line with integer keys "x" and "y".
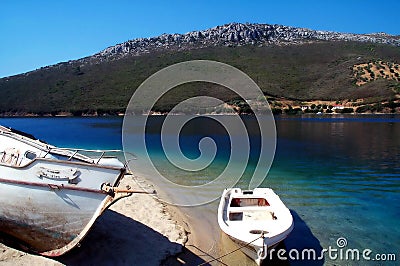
{"x": 81, "y": 163}
{"x": 50, "y": 149}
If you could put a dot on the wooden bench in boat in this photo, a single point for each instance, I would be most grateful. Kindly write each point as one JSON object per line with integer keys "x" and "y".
{"x": 239, "y": 214}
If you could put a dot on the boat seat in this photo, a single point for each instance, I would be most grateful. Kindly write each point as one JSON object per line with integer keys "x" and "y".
{"x": 245, "y": 202}
{"x": 253, "y": 214}
{"x": 258, "y": 215}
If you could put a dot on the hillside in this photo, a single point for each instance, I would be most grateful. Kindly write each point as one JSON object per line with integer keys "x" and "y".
{"x": 293, "y": 64}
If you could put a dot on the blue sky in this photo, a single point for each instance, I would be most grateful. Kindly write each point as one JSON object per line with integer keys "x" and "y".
{"x": 38, "y": 33}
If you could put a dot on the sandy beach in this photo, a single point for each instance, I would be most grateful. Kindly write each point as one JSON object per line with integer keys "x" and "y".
{"x": 136, "y": 230}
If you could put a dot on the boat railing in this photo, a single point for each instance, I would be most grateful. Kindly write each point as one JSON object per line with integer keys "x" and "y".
{"x": 75, "y": 153}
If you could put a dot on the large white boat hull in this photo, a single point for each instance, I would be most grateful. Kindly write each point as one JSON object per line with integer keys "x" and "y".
{"x": 48, "y": 202}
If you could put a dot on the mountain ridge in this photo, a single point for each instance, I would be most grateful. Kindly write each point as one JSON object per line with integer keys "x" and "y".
{"x": 231, "y": 34}
{"x": 243, "y": 34}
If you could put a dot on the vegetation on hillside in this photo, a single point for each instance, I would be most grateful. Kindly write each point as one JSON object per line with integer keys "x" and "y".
{"x": 367, "y": 72}
{"x": 313, "y": 71}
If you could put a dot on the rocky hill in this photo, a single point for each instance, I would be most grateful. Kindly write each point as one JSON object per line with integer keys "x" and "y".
{"x": 290, "y": 63}
{"x": 235, "y": 34}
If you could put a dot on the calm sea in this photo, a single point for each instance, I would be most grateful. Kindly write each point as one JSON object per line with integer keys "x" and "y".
{"x": 339, "y": 175}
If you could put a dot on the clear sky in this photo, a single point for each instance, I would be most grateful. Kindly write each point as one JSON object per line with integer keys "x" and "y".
{"x": 38, "y": 33}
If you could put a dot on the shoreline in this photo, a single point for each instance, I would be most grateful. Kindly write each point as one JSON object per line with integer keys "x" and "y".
{"x": 138, "y": 229}
{"x": 276, "y": 105}
{"x": 191, "y": 253}
{"x": 210, "y": 114}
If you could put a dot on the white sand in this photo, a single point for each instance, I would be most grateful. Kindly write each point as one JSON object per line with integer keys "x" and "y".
{"x": 136, "y": 230}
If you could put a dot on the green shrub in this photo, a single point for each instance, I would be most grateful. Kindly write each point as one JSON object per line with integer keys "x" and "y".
{"x": 311, "y": 111}
{"x": 276, "y": 111}
{"x": 348, "y": 110}
{"x": 363, "y": 109}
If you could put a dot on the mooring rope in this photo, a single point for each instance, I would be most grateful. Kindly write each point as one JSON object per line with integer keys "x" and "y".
{"x": 233, "y": 251}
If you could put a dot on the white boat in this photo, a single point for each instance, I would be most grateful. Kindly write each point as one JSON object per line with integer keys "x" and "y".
{"x": 50, "y": 197}
{"x": 257, "y": 220}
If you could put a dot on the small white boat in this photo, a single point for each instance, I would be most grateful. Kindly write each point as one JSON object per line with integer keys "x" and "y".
{"x": 50, "y": 197}
{"x": 256, "y": 220}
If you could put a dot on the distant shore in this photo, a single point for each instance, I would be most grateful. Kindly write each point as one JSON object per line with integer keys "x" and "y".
{"x": 285, "y": 112}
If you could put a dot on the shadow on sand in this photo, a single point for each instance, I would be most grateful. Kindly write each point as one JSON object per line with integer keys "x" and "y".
{"x": 119, "y": 240}
{"x": 300, "y": 246}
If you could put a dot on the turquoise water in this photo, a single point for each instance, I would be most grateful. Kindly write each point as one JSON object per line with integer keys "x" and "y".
{"x": 340, "y": 175}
